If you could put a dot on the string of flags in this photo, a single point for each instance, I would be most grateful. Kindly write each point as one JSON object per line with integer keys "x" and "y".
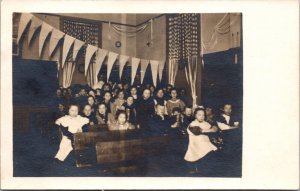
{"x": 26, "y": 19}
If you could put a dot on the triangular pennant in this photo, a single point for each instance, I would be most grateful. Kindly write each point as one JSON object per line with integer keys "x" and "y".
{"x": 100, "y": 56}
{"x": 110, "y": 62}
{"x": 24, "y": 20}
{"x": 68, "y": 41}
{"x": 77, "y": 46}
{"x": 154, "y": 70}
{"x": 122, "y": 61}
{"x": 35, "y": 24}
{"x": 89, "y": 52}
{"x": 55, "y": 37}
{"x": 144, "y": 64}
{"x": 134, "y": 66}
{"x": 161, "y": 65}
{"x": 45, "y": 30}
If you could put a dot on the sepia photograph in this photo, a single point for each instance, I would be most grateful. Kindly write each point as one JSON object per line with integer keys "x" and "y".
{"x": 127, "y": 94}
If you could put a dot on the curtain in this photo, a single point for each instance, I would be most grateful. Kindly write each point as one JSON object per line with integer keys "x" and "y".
{"x": 68, "y": 71}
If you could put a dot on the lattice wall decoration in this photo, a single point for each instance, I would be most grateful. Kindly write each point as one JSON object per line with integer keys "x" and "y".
{"x": 183, "y": 37}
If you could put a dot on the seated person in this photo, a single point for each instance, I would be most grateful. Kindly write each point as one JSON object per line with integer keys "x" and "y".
{"x": 102, "y": 114}
{"x": 133, "y": 93}
{"x": 199, "y": 143}
{"x": 107, "y": 101}
{"x": 88, "y": 113}
{"x": 187, "y": 116}
{"x": 69, "y": 125}
{"x": 176, "y": 118}
{"x": 144, "y": 109}
{"x": 92, "y": 102}
{"x": 174, "y": 102}
{"x": 160, "y": 122}
{"x": 225, "y": 121}
{"x": 121, "y": 122}
{"x": 119, "y": 101}
{"x": 130, "y": 110}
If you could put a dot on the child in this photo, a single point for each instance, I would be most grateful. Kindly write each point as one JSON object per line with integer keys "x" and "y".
{"x": 199, "y": 143}
{"x": 225, "y": 121}
{"x": 187, "y": 116}
{"x": 88, "y": 113}
{"x": 121, "y": 122}
{"x": 91, "y": 101}
{"x": 119, "y": 101}
{"x": 107, "y": 101}
{"x": 174, "y": 102}
{"x": 160, "y": 122}
{"x": 101, "y": 114}
{"x": 69, "y": 125}
{"x": 145, "y": 109}
{"x": 130, "y": 110}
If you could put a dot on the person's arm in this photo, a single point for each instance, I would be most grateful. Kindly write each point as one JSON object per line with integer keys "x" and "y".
{"x": 223, "y": 126}
{"x": 211, "y": 130}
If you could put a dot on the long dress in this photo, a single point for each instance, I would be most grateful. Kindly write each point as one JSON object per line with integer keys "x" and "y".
{"x": 74, "y": 125}
{"x": 199, "y": 145}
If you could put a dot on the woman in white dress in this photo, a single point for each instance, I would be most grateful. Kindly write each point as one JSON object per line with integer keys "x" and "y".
{"x": 69, "y": 124}
{"x": 199, "y": 143}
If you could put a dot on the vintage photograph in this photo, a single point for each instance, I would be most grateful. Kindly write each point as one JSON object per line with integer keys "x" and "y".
{"x": 127, "y": 94}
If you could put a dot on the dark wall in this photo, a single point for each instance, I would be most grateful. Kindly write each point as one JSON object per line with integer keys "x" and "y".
{"x": 34, "y": 81}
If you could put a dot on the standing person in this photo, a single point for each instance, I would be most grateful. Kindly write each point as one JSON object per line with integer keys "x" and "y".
{"x": 102, "y": 114}
{"x": 145, "y": 109}
{"x": 130, "y": 110}
{"x": 69, "y": 125}
{"x": 174, "y": 102}
{"x": 121, "y": 122}
{"x": 199, "y": 143}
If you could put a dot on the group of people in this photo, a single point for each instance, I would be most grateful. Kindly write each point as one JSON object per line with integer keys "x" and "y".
{"x": 161, "y": 110}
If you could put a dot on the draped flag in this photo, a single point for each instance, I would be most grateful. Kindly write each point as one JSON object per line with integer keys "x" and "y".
{"x": 110, "y": 62}
{"x": 24, "y": 20}
{"x": 100, "y": 56}
{"x": 191, "y": 76}
{"x": 161, "y": 65}
{"x": 90, "y": 51}
{"x": 122, "y": 61}
{"x": 173, "y": 69}
{"x": 154, "y": 69}
{"x": 134, "y": 66}
{"x": 55, "y": 37}
{"x": 35, "y": 24}
{"x": 45, "y": 30}
{"x": 77, "y": 46}
{"x": 68, "y": 41}
{"x": 144, "y": 64}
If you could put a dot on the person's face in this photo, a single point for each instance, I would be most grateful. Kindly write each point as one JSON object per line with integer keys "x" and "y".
{"x": 121, "y": 95}
{"x": 133, "y": 91}
{"x": 87, "y": 110}
{"x": 125, "y": 86}
{"x": 69, "y": 91}
{"x": 176, "y": 113}
{"x": 200, "y": 116}
{"x": 152, "y": 89}
{"x": 188, "y": 112}
{"x": 102, "y": 109}
{"x": 107, "y": 96}
{"x": 98, "y": 92}
{"x": 227, "y": 109}
{"x": 160, "y": 110}
{"x": 64, "y": 92}
{"x": 82, "y": 92}
{"x": 120, "y": 86}
{"x": 146, "y": 94}
{"x": 122, "y": 118}
{"x": 174, "y": 94}
{"x": 91, "y": 101}
{"x": 182, "y": 92}
{"x": 58, "y": 92}
{"x": 61, "y": 107}
{"x": 208, "y": 111}
{"x": 73, "y": 111}
{"x": 169, "y": 88}
{"x": 129, "y": 101}
{"x": 106, "y": 88}
{"x": 160, "y": 93}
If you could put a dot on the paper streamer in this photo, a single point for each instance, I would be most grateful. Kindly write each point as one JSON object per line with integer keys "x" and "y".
{"x": 45, "y": 30}
{"x": 90, "y": 51}
{"x": 110, "y": 62}
{"x": 100, "y": 56}
{"x": 68, "y": 41}
{"x": 154, "y": 69}
{"x": 77, "y": 46}
{"x": 35, "y": 24}
{"x": 24, "y": 20}
{"x": 161, "y": 65}
{"x": 134, "y": 66}
{"x": 55, "y": 37}
{"x": 144, "y": 64}
{"x": 122, "y": 61}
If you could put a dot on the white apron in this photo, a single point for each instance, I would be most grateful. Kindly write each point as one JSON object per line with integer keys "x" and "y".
{"x": 199, "y": 145}
{"x": 75, "y": 126}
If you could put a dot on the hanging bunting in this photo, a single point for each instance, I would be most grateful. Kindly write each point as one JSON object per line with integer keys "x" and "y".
{"x": 122, "y": 61}
{"x": 134, "y": 66}
{"x": 110, "y": 62}
{"x": 24, "y": 20}
{"x": 68, "y": 41}
{"x": 35, "y": 24}
{"x": 161, "y": 65}
{"x": 77, "y": 46}
{"x": 45, "y": 30}
{"x": 100, "y": 56}
{"x": 154, "y": 69}
{"x": 55, "y": 37}
{"x": 90, "y": 51}
{"x": 144, "y": 64}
